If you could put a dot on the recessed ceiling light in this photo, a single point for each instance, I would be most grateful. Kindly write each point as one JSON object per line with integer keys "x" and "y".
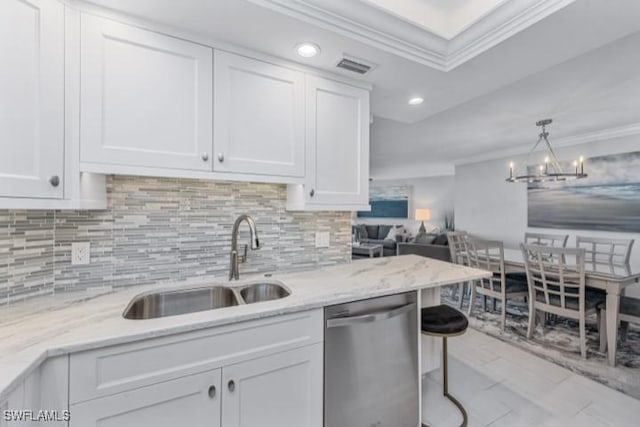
{"x": 416, "y": 100}
{"x": 307, "y": 49}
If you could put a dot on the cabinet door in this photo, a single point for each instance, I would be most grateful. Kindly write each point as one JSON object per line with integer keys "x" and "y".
{"x": 259, "y": 117}
{"x": 283, "y": 390}
{"x": 146, "y": 99}
{"x": 13, "y": 403}
{"x": 337, "y": 143}
{"x": 31, "y": 98}
{"x": 192, "y": 401}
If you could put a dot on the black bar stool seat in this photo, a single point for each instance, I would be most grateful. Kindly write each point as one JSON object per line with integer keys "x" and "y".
{"x": 445, "y": 321}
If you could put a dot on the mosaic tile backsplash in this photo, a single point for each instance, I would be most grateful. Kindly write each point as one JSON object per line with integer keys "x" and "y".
{"x": 159, "y": 230}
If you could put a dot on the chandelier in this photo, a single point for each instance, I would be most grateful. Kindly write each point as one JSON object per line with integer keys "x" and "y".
{"x": 551, "y": 170}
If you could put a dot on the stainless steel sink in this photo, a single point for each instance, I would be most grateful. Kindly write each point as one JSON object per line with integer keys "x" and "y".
{"x": 180, "y": 301}
{"x": 268, "y": 291}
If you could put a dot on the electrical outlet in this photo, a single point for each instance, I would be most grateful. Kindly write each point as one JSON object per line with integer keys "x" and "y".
{"x": 322, "y": 239}
{"x": 80, "y": 253}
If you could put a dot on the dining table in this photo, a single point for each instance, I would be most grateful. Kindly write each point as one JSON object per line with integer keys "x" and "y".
{"x": 607, "y": 276}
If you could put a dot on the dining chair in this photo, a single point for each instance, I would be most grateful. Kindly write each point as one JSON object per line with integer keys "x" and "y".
{"x": 557, "y": 286}
{"x": 551, "y": 240}
{"x": 459, "y": 255}
{"x": 489, "y": 255}
{"x": 629, "y": 312}
{"x": 602, "y": 250}
{"x": 605, "y": 251}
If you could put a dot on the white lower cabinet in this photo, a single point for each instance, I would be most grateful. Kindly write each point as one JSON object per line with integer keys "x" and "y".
{"x": 282, "y": 390}
{"x": 44, "y": 392}
{"x": 267, "y": 373}
{"x": 15, "y": 401}
{"x": 192, "y": 401}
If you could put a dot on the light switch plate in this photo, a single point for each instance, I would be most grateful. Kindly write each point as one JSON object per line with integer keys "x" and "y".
{"x": 322, "y": 239}
{"x": 80, "y": 253}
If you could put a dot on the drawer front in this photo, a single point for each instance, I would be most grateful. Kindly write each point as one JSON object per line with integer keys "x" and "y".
{"x": 106, "y": 371}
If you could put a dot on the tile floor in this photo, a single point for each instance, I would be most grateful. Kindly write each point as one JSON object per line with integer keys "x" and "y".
{"x": 501, "y": 385}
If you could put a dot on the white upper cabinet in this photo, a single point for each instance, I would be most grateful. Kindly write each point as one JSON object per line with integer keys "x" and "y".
{"x": 258, "y": 117}
{"x": 337, "y": 137}
{"x": 32, "y": 98}
{"x": 146, "y": 98}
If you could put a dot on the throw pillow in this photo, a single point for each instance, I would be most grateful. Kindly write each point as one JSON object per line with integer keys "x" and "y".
{"x": 391, "y": 235}
{"x": 383, "y": 230}
{"x": 361, "y": 231}
{"x": 441, "y": 239}
{"x": 372, "y": 232}
{"x": 423, "y": 238}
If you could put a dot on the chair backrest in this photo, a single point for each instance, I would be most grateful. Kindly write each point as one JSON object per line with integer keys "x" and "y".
{"x": 555, "y": 284}
{"x": 488, "y": 255}
{"x": 604, "y": 250}
{"x": 547, "y": 240}
{"x": 458, "y": 247}
{"x": 551, "y": 240}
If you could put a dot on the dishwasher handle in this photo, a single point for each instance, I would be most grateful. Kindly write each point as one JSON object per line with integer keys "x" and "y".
{"x": 369, "y": 318}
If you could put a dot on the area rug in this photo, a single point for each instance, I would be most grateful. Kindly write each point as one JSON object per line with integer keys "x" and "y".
{"x": 560, "y": 343}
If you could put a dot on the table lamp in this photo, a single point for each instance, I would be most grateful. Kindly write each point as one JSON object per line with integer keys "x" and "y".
{"x": 423, "y": 215}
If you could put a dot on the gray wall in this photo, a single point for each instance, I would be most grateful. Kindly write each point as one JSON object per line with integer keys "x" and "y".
{"x": 435, "y": 193}
{"x": 158, "y": 231}
{"x": 488, "y": 206}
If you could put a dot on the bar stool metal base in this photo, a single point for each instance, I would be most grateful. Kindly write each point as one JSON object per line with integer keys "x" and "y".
{"x": 445, "y": 379}
{"x": 445, "y": 383}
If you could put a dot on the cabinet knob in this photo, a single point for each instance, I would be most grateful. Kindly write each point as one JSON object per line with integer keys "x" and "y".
{"x": 212, "y": 391}
{"x": 54, "y": 180}
{"x": 205, "y": 157}
{"x": 232, "y": 386}
{"x": 220, "y": 157}
{"x": 312, "y": 192}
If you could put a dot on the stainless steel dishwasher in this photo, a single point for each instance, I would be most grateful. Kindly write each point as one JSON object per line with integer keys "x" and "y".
{"x": 371, "y": 368}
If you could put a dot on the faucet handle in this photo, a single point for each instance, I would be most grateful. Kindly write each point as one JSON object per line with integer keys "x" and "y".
{"x": 243, "y": 258}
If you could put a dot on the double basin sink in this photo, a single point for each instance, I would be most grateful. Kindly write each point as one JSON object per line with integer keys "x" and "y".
{"x": 181, "y": 301}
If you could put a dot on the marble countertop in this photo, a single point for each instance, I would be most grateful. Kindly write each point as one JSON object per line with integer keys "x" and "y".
{"x": 34, "y": 330}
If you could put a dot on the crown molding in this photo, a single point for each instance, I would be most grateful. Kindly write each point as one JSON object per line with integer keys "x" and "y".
{"x": 368, "y": 25}
{"x": 386, "y": 31}
{"x": 505, "y": 21}
{"x": 522, "y": 149}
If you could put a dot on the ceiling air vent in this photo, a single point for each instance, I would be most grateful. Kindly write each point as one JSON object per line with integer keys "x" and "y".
{"x": 354, "y": 65}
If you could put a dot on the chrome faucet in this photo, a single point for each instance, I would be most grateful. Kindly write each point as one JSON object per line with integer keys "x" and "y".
{"x": 234, "y": 274}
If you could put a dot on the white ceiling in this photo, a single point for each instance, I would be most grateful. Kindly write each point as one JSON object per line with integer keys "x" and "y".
{"x": 488, "y": 101}
{"x": 598, "y": 91}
